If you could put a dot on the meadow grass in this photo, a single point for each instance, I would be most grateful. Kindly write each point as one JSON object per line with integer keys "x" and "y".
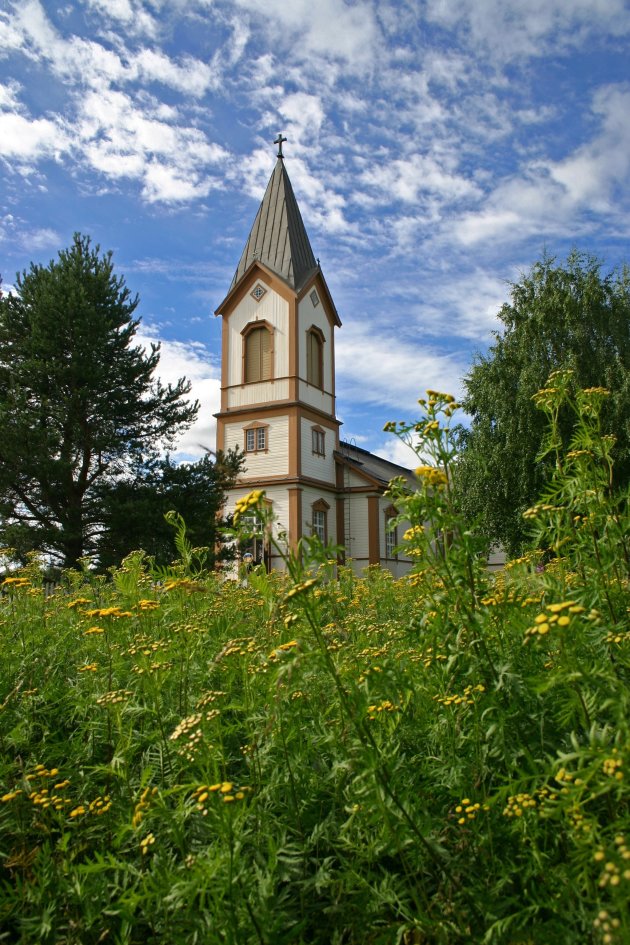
{"x": 319, "y": 758}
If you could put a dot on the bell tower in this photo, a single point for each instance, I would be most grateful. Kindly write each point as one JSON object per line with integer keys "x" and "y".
{"x": 278, "y": 369}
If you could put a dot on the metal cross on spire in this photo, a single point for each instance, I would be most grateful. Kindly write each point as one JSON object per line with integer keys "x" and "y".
{"x": 279, "y": 140}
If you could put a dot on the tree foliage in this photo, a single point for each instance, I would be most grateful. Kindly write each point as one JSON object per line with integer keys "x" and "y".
{"x": 79, "y": 403}
{"x": 134, "y": 508}
{"x": 560, "y": 316}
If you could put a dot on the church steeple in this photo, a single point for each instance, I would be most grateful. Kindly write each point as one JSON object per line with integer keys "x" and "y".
{"x": 278, "y": 238}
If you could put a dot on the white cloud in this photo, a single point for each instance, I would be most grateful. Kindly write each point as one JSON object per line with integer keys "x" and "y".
{"x": 551, "y": 197}
{"x": 461, "y": 305}
{"x": 133, "y": 16}
{"x": 191, "y": 360}
{"x": 26, "y": 140}
{"x": 330, "y": 28}
{"x": 190, "y": 75}
{"x": 410, "y": 179}
{"x": 512, "y": 28}
{"x": 375, "y": 366}
{"x": 397, "y": 452}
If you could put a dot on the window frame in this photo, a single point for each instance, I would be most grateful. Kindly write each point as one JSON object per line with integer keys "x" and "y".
{"x": 391, "y": 535}
{"x": 248, "y": 330}
{"x": 318, "y": 441}
{"x": 258, "y": 431}
{"x": 315, "y": 334}
{"x": 320, "y": 507}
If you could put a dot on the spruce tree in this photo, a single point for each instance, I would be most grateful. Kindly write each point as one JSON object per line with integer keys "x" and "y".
{"x": 79, "y": 402}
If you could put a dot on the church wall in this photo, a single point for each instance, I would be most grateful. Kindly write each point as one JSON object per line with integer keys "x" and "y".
{"x": 356, "y": 522}
{"x": 401, "y": 564}
{"x": 273, "y": 462}
{"x": 311, "y": 494}
{"x": 314, "y": 466}
{"x": 261, "y": 393}
{"x": 309, "y": 315}
{"x": 278, "y": 497}
{"x": 273, "y": 309}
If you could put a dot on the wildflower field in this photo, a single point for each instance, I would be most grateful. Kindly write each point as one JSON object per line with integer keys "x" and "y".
{"x": 315, "y": 757}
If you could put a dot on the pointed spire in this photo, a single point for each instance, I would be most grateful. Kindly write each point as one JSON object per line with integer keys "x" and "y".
{"x": 278, "y": 237}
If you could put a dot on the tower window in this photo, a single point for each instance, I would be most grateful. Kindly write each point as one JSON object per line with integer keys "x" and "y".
{"x": 319, "y": 520}
{"x": 257, "y": 353}
{"x": 315, "y": 358}
{"x": 319, "y": 441}
{"x": 314, "y": 298}
{"x": 256, "y": 439}
{"x": 258, "y": 292}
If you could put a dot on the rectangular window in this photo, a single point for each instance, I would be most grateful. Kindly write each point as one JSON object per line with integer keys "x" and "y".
{"x": 314, "y": 356}
{"x": 255, "y": 439}
{"x": 319, "y": 442}
{"x": 319, "y": 525}
{"x": 391, "y": 539}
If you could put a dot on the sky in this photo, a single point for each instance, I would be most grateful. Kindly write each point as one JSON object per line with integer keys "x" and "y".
{"x": 437, "y": 148}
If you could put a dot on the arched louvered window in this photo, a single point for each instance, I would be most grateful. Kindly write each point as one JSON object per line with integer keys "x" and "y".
{"x": 257, "y": 353}
{"x": 315, "y": 357}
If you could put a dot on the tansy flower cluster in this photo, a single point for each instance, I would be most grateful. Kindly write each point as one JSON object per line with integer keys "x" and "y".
{"x": 146, "y": 843}
{"x": 301, "y": 588}
{"x": 108, "y": 612}
{"x": 251, "y": 501}
{"x": 613, "y": 766}
{"x": 465, "y": 699}
{"x": 559, "y": 615}
{"x": 115, "y": 697}
{"x": 468, "y": 811}
{"x": 616, "y": 862}
{"x": 381, "y": 707}
{"x": 607, "y": 925}
{"x": 14, "y": 583}
{"x": 225, "y": 790}
{"x": 432, "y": 476}
{"x": 142, "y": 806}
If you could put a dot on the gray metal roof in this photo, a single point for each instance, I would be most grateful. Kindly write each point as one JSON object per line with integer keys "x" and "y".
{"x": 278, "y": 237}
{"x": 375, "y": 466}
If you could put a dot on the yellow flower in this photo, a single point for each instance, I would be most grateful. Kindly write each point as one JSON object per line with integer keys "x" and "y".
{"x": 93, "y": 630}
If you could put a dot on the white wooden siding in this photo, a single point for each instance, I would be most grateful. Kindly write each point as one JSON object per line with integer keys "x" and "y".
{"x": 310, "y": 495}
{"x": 314, "y": 466}
{"x": 261, "y": 393}
{"x": 308, "y": 315}
{"x": 273, "y": 462}
{"x": 271, "y": 308}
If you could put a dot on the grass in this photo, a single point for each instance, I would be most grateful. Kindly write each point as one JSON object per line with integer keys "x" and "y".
{"x": 437, "y": 759}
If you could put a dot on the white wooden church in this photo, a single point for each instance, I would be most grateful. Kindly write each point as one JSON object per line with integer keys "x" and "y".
{"x": 278, "y": 396}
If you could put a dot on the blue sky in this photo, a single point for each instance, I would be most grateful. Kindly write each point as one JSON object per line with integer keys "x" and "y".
{"x": 436, "y": 149}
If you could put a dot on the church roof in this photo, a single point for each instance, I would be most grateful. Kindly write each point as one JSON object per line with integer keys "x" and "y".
{"x": 376, "y": 467}
{"x": 278, "y": 237}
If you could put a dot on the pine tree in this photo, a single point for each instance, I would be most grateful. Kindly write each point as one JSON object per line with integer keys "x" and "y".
{"x": 79, "y": 403}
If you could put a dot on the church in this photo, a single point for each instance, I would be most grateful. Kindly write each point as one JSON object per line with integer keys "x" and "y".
{"x": 278, "y": 397}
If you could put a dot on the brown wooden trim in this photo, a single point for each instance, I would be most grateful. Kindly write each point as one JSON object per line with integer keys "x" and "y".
{"x": 295, "y": 516}
{"x": 341, "y": 527}
{"x": 294, "y": 349}
{"x": 225, "y": 361}
{"x": 324, "y": 296}
{"x": 257, "y": 272}
{"x": 373, "y": 530}
{"x": 246, "y": 482}
{"x": 276, "y": 409}
{"x": 295, "y": 443}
